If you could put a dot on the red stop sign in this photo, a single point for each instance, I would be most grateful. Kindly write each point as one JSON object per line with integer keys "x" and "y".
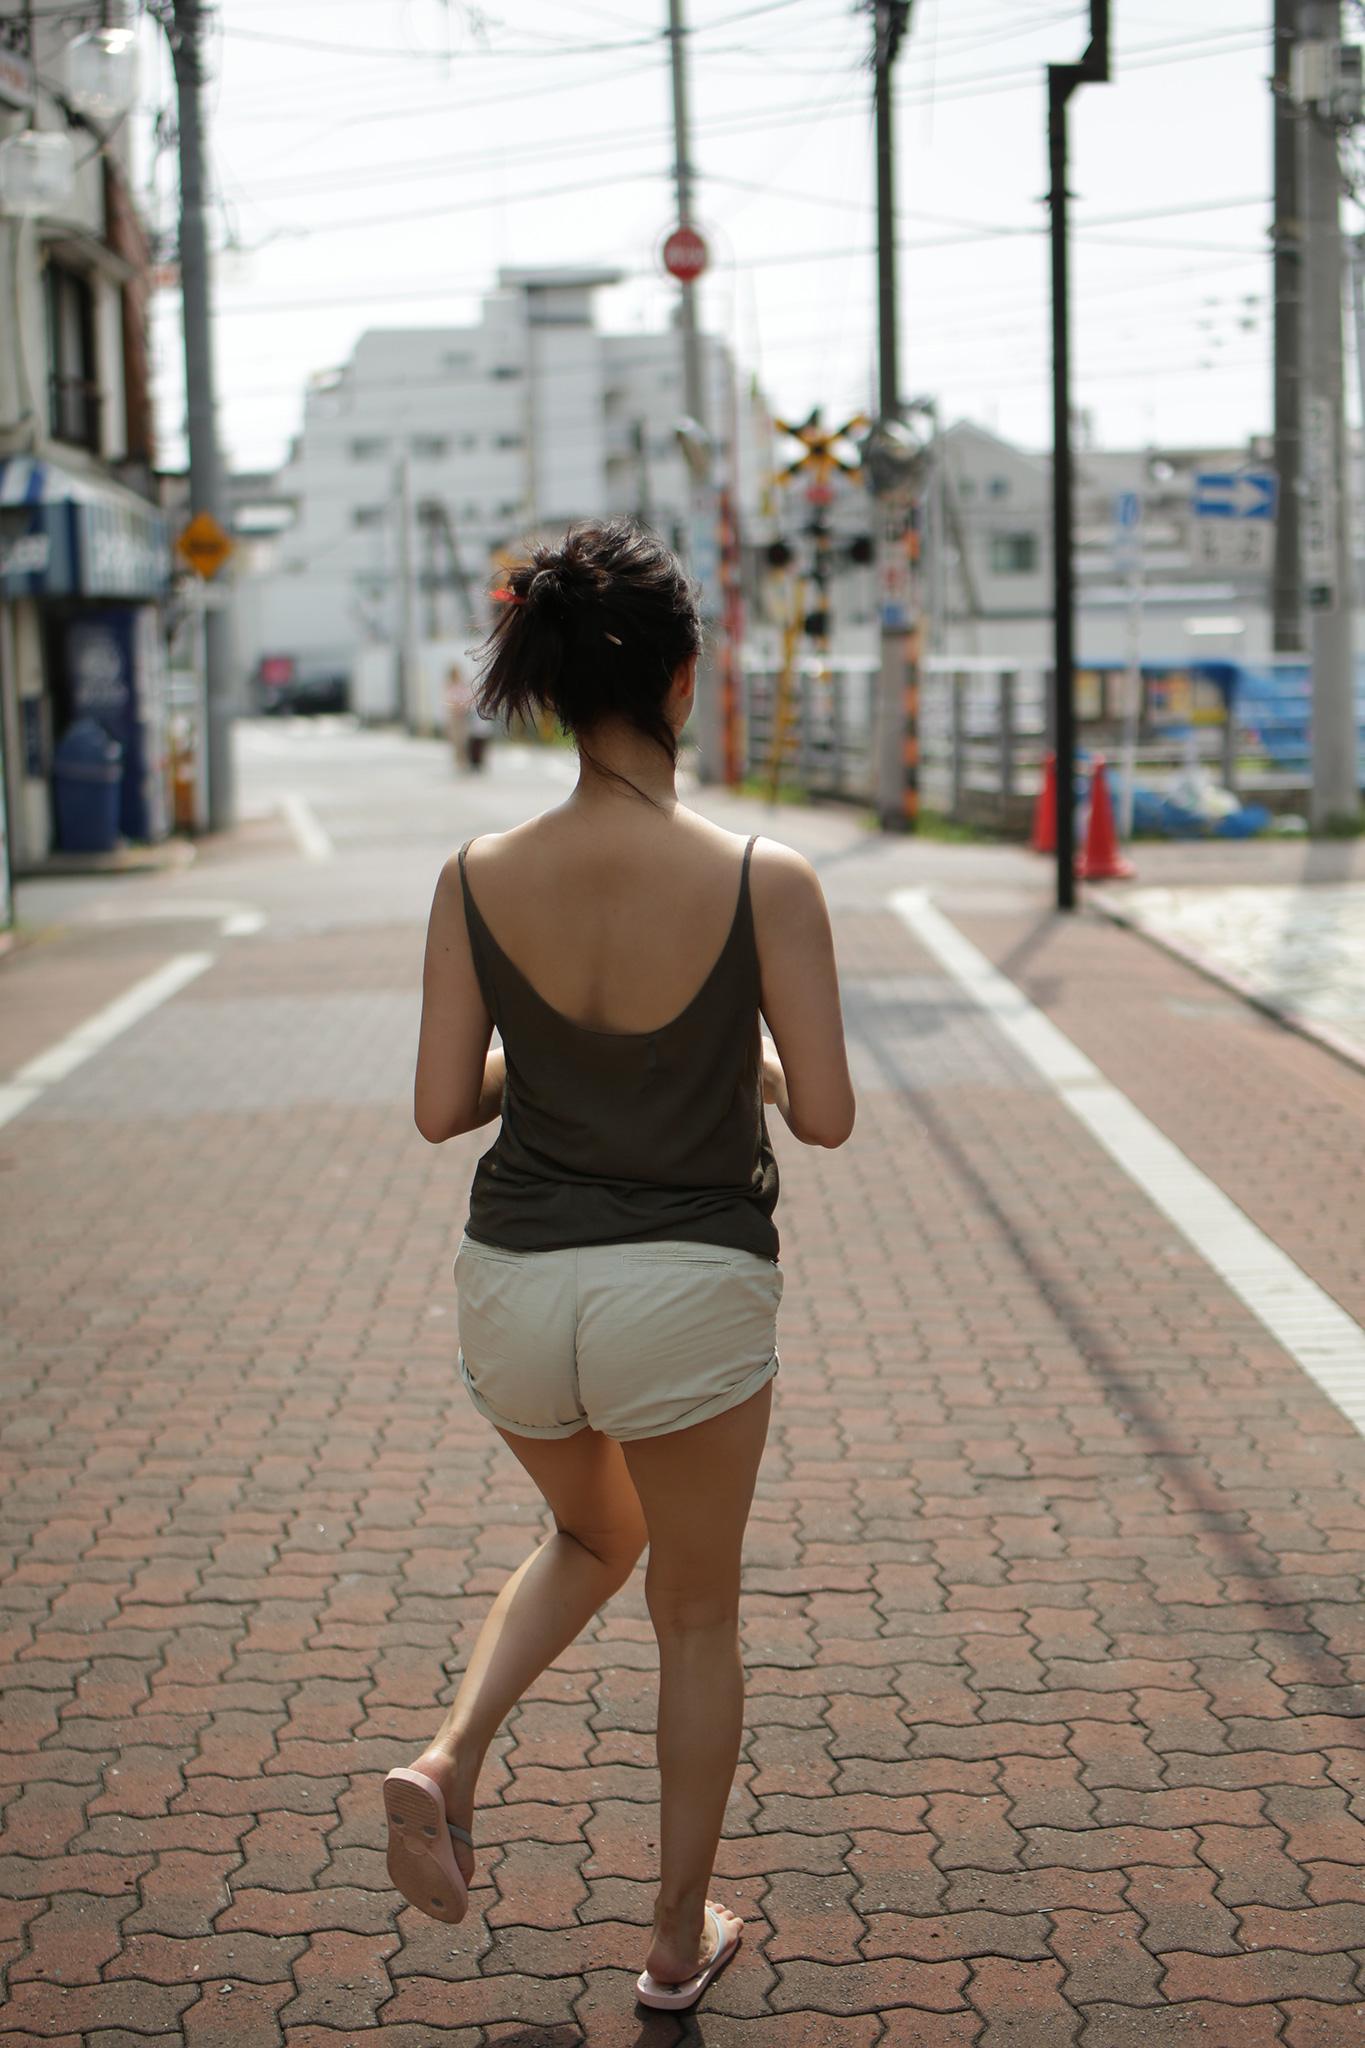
{"x": 685, "y": 255}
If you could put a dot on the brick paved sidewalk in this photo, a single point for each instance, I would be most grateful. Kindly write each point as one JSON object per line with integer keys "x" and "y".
{"x": 1053, "y": 1619}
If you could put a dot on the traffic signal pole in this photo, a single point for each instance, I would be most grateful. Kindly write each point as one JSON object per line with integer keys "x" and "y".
{"x": 1062, "y": 81}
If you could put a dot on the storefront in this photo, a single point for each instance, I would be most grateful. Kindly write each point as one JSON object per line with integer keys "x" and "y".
{"x": 84, "y": 569}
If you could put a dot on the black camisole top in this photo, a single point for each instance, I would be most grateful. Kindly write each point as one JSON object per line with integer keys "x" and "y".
{"x": 619, "y": 1137}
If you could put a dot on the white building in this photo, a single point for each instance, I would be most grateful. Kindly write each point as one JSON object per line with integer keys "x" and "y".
{"x": 1205, "y": 587}
{"x": 448, "y": 446}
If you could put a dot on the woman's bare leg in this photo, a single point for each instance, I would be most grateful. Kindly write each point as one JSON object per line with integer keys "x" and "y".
{"x": 548, "y": 1600}
{"x": 696, "y": 1487}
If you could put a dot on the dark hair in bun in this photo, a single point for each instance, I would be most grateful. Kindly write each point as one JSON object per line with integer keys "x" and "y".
{"x": 593, "y": 627}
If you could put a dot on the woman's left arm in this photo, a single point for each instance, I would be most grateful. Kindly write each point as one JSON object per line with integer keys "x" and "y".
{"x": 459, "y": 1081}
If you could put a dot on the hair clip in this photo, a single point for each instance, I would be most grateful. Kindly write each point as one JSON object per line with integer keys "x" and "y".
{"x": 506, "y": 597}
{"x": 613, "y": 639}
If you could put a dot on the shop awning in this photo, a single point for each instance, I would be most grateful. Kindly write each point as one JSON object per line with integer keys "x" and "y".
{"x": 65, "y": 534}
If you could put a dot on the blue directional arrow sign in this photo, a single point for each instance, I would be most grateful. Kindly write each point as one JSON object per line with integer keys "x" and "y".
{"x": 1235, "y": 494}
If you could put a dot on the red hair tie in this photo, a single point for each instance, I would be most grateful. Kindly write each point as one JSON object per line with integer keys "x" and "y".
{"x": 507, "y": 597}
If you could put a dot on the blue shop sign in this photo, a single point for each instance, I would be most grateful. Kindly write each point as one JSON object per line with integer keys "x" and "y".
{"x": 61, "y": 536}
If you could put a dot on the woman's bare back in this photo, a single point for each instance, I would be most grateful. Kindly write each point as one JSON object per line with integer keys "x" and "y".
{"x": 616, "y": 921}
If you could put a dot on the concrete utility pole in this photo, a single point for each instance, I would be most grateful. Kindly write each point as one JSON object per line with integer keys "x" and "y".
{"x": 897, "y": 722}
{"x": 1287, "y": 267}
{"x": 1320, "y": 88}
{"x": 703, "y": 541}
{"x": 186, "y": 25}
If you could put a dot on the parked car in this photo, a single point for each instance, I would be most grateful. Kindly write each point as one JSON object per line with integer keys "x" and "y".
{"x": 283, "y": 684}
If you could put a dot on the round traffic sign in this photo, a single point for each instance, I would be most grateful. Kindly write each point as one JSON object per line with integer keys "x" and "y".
{"x": 685, "y": 255}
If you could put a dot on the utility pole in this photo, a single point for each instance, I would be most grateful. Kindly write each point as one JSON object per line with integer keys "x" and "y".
{"x": 696, "y": 440}
{"x": 889, "y": 461}
{"x": 186, "y": 25}
{"x": 1287, "y": 273}
{"x": 1357, "y": 268}
{"x": 408, "y": 708}
{"x": 1320, "y": 87}
{"x": 1062, "y": 81}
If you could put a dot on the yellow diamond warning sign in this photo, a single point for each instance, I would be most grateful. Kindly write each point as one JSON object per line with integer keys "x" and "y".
{"x": 204, "y": 545}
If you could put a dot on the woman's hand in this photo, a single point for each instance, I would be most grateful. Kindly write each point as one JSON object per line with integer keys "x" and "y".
{"x": 774, "y": 1080}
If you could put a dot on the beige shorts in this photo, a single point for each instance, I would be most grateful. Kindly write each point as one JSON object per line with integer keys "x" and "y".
{"x": 633, "y": 1339}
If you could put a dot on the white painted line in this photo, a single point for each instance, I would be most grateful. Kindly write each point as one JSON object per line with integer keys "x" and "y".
{"x": 314, "y": 843}
{"x": 78, "y": 1046}
{"x": 1316, "y": 1331}
{"x": 237, "y": 920}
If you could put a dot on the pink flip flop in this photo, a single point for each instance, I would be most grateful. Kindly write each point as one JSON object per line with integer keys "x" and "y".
{"x": 421, "y": 1860}
{"x": 675, "y": 1997}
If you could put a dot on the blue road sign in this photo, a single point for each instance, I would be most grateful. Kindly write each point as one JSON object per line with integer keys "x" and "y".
{"x": 1235, "y": 494}
{"x": 1127, "y": 510}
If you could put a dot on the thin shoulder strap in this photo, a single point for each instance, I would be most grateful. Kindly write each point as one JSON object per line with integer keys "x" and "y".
{"x": 469, "y": 903}
{"x": 748, "y": 851}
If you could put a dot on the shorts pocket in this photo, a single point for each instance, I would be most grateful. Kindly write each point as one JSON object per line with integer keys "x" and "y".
{"x": 684, "y": 1253}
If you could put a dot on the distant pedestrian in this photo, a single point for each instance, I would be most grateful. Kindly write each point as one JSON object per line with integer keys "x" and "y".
{"x": 469, "y": 731}
{"x": 618, "y": 1280}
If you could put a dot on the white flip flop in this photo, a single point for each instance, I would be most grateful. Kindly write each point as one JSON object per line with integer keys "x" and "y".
{"x": 421, "y": 1857}
{"x": 674, "y": 1997}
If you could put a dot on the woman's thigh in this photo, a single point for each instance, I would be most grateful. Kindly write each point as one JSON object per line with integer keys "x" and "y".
{"x": 696, "y": 1487}
{"x": 588, "y": 1489}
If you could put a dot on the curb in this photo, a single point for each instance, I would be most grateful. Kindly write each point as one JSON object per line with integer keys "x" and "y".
{"x": 1285, "y": 1014}
{"x": 159, "y": 857}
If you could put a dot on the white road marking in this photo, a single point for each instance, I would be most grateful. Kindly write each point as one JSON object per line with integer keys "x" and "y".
{"x": 314, "y": 843}
{"x": 1314, "y": 1329}
{"x": 78, "y": 1046}
{"x": 236, "y": 920}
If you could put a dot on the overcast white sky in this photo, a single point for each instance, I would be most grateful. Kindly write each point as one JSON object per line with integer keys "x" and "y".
{"x": 378, "y": 159}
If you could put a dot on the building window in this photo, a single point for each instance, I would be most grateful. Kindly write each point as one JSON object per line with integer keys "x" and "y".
{"x": 456, "y": 359}
{"x": 367, "y": 515}
{"x": 430, "y": 447}
{"x": 509, "y": 510}
{"x": 73, "y": 379}
{"x": 966, "y": 488}
{"x": 1014, "y": 554}
{"x": 999, "y": 487}
{"x": 369, "y": 449}
{"x": 508, "y": 441}
{"x": 504, "y": 373}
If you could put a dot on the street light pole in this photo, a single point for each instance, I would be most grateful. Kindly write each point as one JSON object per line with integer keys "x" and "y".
{"x": 1062, "y": 81}
{"x": 186, "y": 29}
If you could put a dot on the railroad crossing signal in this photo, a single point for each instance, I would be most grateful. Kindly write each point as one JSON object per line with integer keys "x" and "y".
{"x": 821, "y": 447}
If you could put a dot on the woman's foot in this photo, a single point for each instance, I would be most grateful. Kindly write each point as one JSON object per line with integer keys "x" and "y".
{"x": 457, "y": 1790}
{"x": 685, "y": 1943}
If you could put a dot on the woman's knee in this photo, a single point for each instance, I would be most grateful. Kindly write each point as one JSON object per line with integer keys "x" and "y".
{"x": 678, "y": 1609}
{"x": 617, "y": 1546}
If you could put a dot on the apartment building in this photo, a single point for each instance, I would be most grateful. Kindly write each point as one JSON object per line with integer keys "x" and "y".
{"x": 433, "y": 450}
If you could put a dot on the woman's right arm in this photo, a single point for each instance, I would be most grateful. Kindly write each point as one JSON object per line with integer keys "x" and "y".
{"x": 800, "y": 996}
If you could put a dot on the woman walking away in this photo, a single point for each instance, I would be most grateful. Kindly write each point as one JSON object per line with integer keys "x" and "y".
{"x": 618, "y": 1278}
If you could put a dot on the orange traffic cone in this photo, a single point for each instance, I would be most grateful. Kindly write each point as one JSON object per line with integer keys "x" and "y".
{"x": 1044, "y": 839}
{"x": 1101, "y": 860}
